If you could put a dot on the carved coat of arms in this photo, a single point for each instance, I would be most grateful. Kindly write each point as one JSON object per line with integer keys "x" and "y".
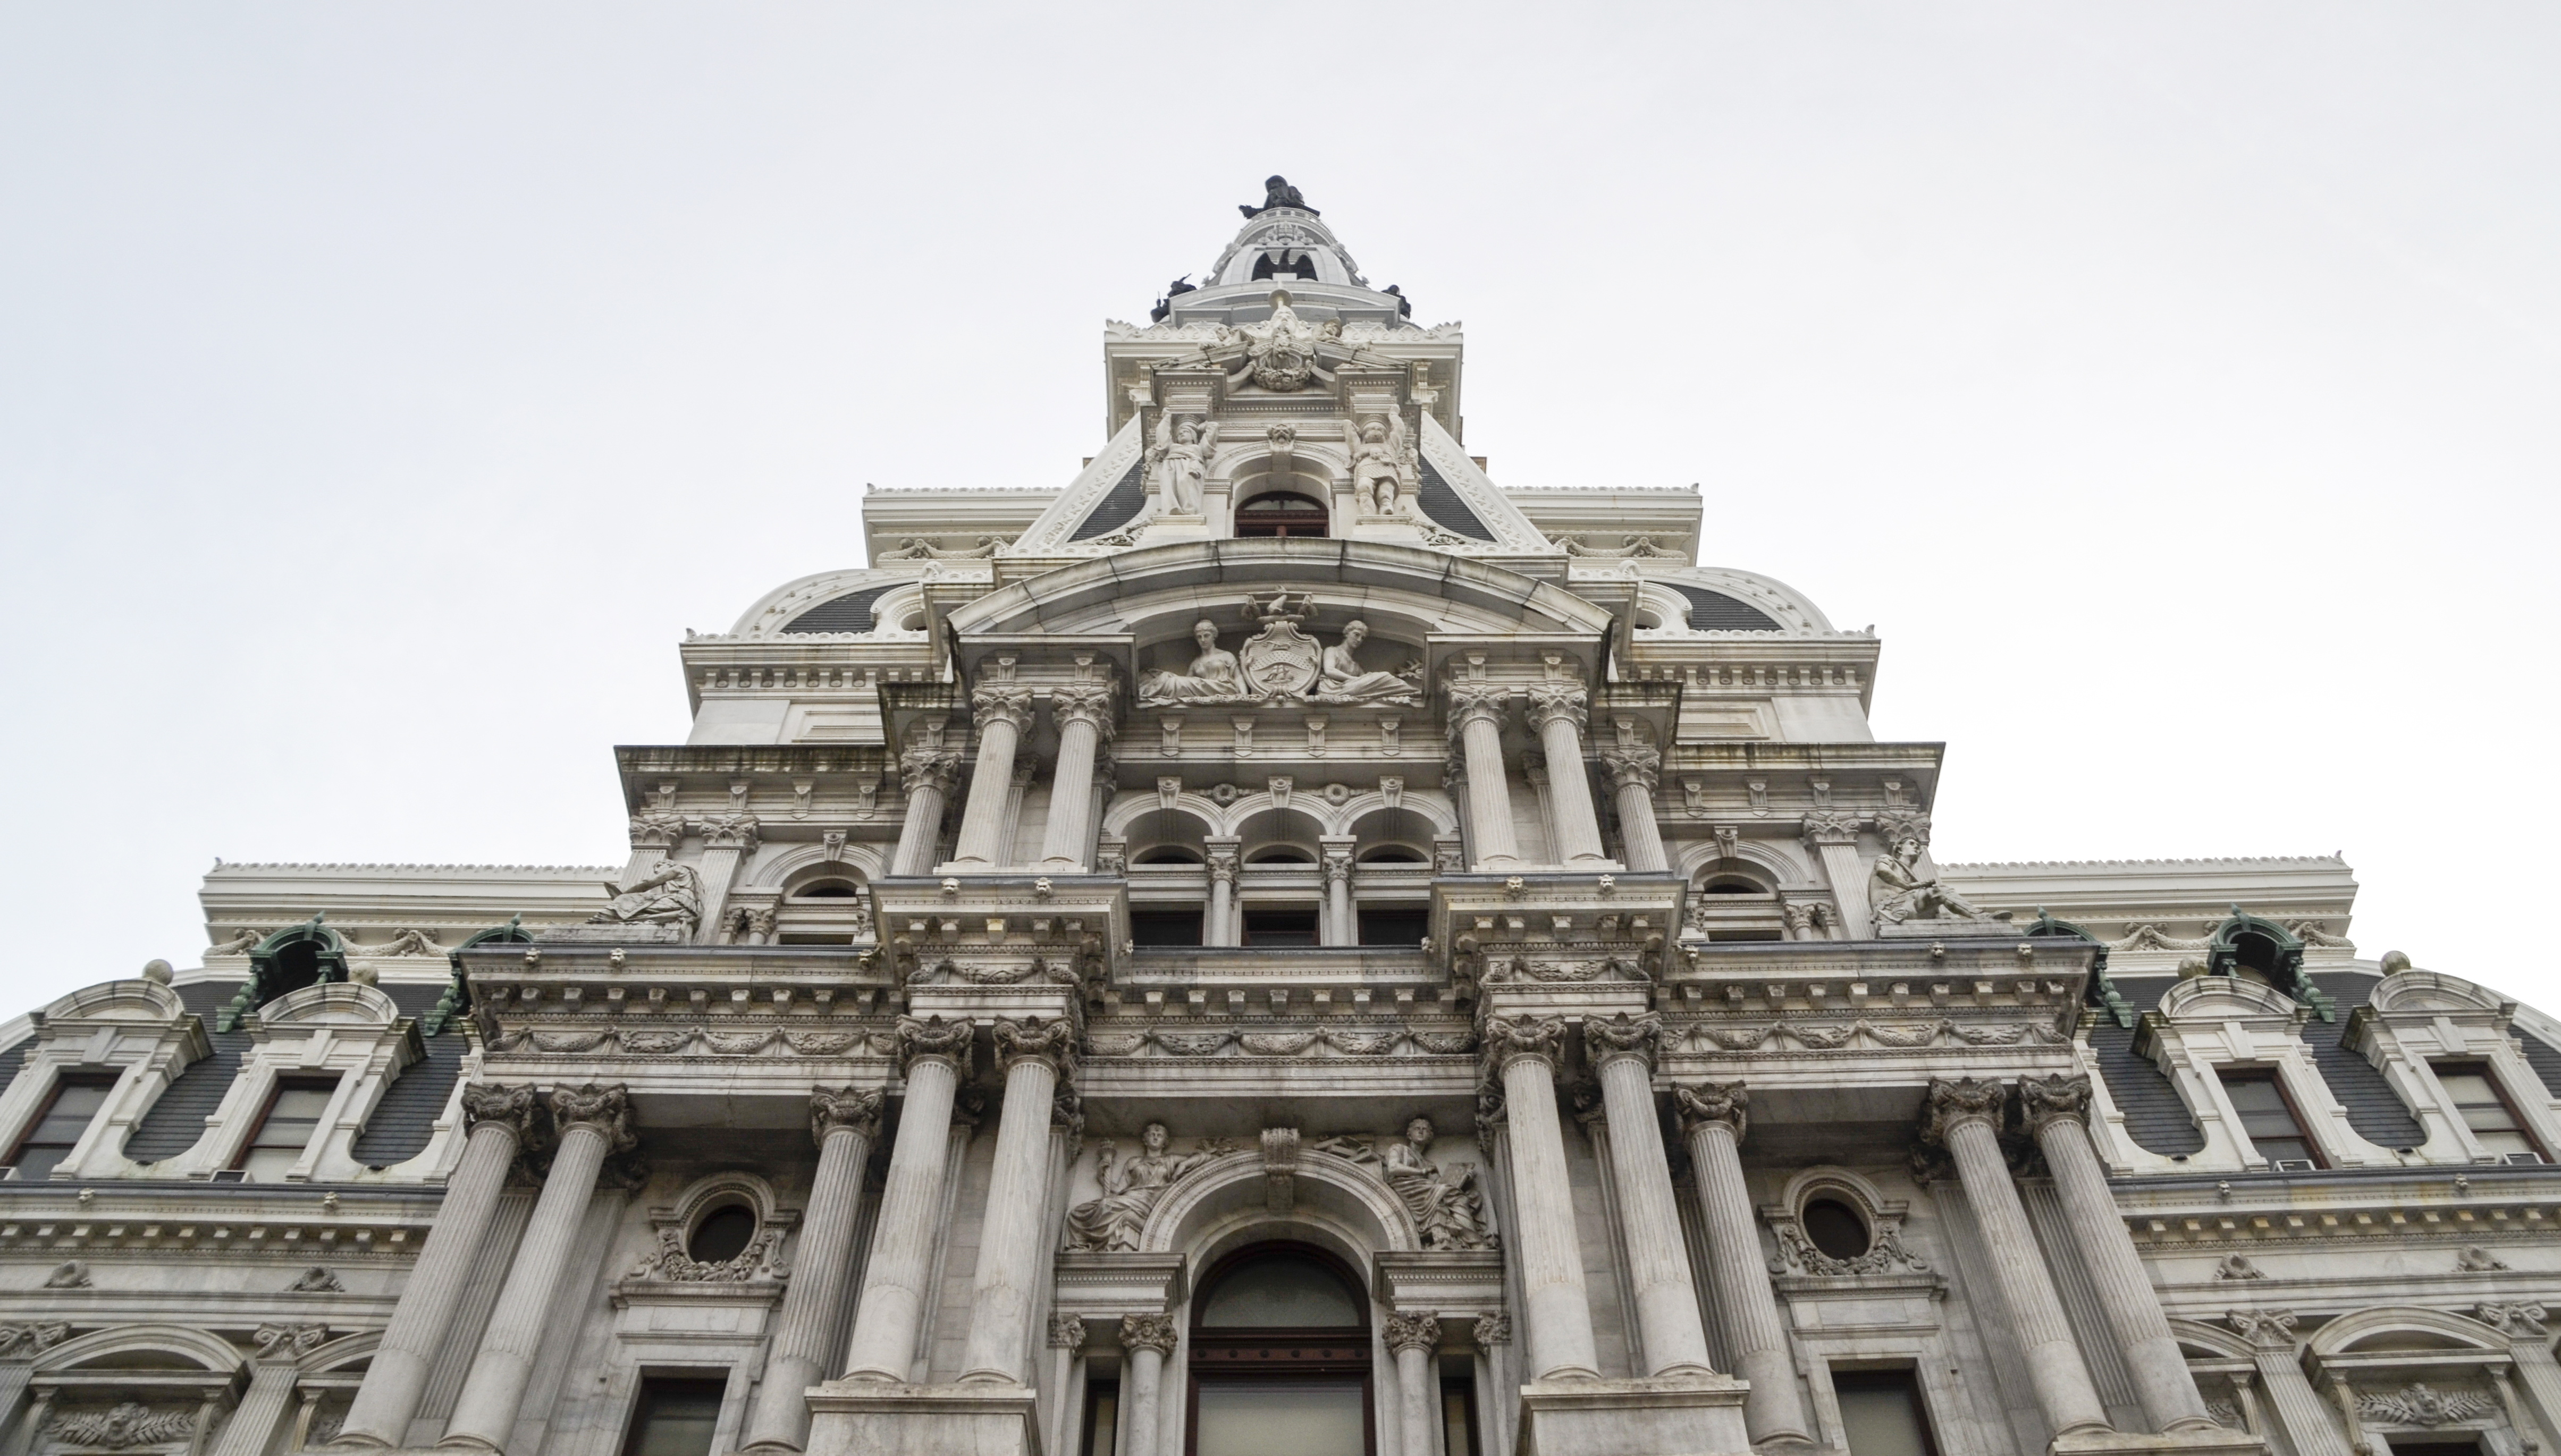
{"x": 1280, "y": 661}
{"x": 1280, "y": 351}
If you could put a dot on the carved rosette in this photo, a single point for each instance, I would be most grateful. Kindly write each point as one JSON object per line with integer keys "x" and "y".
{"x": 928, "y": 768}
{"x": 932, "y": 1037}
{"x": 1033, "y": 1038}
{"x": 1964, "y": 1099}
{"x": 994, "y": 702}
{"x": 1632, "y": 763}
{"x": 606, "y": 1109}
{"x": 2266, "y": 1329}
{"x": 1083, "y": 703}
{"x": 500, "y": 1103}
{"x": 1621, "y": 1035}
{"x": 1492, "y": 1330}
{"x": 1558, "y": 700}
{"x": 1475, "y": 703}
{"x": 1066, "y": 1331}
{"x": 1415, "y": 1330}
{"x": 1509, "y": 1040}
{"x": 1829, "y": 826}
{"x": 1147, "y": 1331}
{"x": 834, "y": 1108}
{"x": 1726, "y": 1103}
{"x": 2058, "y": 1098}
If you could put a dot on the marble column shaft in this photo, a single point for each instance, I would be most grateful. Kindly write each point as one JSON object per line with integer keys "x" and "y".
{"x": 1411, "y": 1338}
{"x": 267, "y": 1404}
{"x": 1219, "y": 923}
{"x": 822, "y": 1259}
{"x": 396, "y": 1381}
{"x": 1554, "y": 1299}
{"x": 883, "y": 1347}
{"x": 1341, "y": 928}
{"x": 927, "y": 775}
{"x": 2311, "y": 1423}
{"x": 1749, "y": 1309}
{"x": 1558, "y": 715}
{"x": 1001, "y": 1293}
{"x": 2035, "y": 1312}
{"x": 1634, "y": 771}
{"x": 1477, "y": 713}
{"x": 1667, "y": 1320}
{"x": 2057, "y": 1107}
{"x": 1003, "y": 713}
{"x": 1834, "y": 840}
{"x": 1148, "y": 1339}
{"x": 1083, "y": 712}
{"x": 592, "y": 1123}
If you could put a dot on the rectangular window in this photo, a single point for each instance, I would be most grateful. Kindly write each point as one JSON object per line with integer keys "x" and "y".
{"x": 1882, "y": 1413}
{"x": 2268, "y": 1117}
{"x": 1279, "y": 928}
{"x": 76, "y": 1099}
{"x": 1165, "y": 927}
{"x": 1101, "y": 1417}
{"x": 674, "y": 1417}
{"x": 1404, "y": 926}
{"x": 2483, "y": 1108}
{"x": 293, "y": 1114}
{"x": 1459, "y": 1416}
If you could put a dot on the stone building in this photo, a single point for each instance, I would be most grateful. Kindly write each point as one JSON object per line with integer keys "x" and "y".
{"x": 1282, "y": 945}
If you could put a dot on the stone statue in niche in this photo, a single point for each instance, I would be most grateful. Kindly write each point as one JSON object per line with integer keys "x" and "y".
{"x": 1383, "y": 465}
{"x": 1902, "y": 890}
{"x": 1450, "y": 1212}
{"x": 671, "y": 895}
{"x": 1214, "y": 676}
{"x": 1340, "y": 678}
{"x": 1179, "y": 461}
{"x": 1131, "y": 1190}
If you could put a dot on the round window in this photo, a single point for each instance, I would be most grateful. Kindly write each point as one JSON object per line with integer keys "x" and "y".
{"x": 722, "y": 1236}
{"x": 1836, "y": 1227}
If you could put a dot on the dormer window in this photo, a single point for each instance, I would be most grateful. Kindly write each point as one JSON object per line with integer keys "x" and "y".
{"x": 2268, "y": 1119}
{"x": 76, "y": 1099}
{"x": 293, "y": 1115}
{"x": 1281, "y": 512}
{"x": 2484, "y": 1110}
{"x": 1290, "y": 264}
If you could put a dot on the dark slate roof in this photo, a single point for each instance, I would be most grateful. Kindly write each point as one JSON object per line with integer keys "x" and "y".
{"x": 15, "y": 1057}
{"x": 1714, "y": 611}
{"x": 2373, "y": 1108}
{"x": 2156, "y": 1116}
{"x": 2545, "y": 1058}
{"x": 1120, "y": 505}
{"x": 406, "y": 1118}
{"x": 851, "y": 612}
{"x": 176, "y": 1122}
{"x": 1446, "y": 507}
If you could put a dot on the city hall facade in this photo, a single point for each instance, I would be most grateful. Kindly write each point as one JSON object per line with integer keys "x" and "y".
{"x": 1281, "y": 946}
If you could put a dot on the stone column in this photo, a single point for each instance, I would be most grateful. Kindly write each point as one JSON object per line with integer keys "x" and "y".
{"x": 1622, "y": 1050}
{"x": 1558, "y": 1308}
{"x": 728, "y": 839}
{"x": 2537, "y": 1368}
{"x": 928, "y": 775}
{"x": 843, "y": 1123}
{"x": 1066, "y": 1337}
{"x": 1963, "y": 1117}
{"x": 1083, "y": 712}
{"x": 1149, "y": 1340}
{"x": 1003, "y": 711}
{"x": 1218, "y": 922}
{"x": 1033, "y": 1054}
{"x": 2057, "y": 1111}
{"x": 894, "y": 1283}
{"x": 592, "y": 1123}
{"x": 2310, "y": 1425}
{"x": 501, "y": 1121}
{"x": 269, "y": 1401}
{"x": 1411, "y": 1338}
{"x": 1557, "y": 715}
{"x": 1633, "y": 770}
{"x": 1477, "y": 722}
{"x": 1342, "y": 927}
{"x": 1833, "y": 837}
{"x": 1714, "y": 1117}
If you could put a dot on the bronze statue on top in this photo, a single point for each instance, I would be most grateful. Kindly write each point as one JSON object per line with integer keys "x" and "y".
{"x": 1278, "y": 193}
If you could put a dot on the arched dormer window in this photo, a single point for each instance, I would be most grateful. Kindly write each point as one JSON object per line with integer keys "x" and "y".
{"x": 1288, "y": 263}
{"x": 457, "y": 1000}
{"x": 2261, "y": 950}
{"x": 288, "y": 960}
{"x": 1279, "y": 1354}
{"x": 1281, "y": 513}
{"x": 2101, "y": 992}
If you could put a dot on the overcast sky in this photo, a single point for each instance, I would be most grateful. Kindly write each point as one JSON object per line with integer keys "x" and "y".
{"x": 385, "y": 388}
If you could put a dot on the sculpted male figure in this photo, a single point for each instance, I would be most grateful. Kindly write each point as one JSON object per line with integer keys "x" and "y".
{"x": 1902, "y": 892}
{"x": 1376, "y": 477}
{"x": 670, "y": 896}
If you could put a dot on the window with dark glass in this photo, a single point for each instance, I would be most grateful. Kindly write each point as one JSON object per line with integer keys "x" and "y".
{"x": 292, "y": 1113}
{"x": 76, "y": 1099}
{"x": 1279, "y": 928}
{"x": 1459, "y": 1415}
{"x": 2484, "y": 1109}
{"x": 1835, "y": 1228}
{"x": 1165, "y": 927}
{"x": 1281, "y": 512}
{"x": 1399, "y": 925}
{"x": 1882, "y": 1413}
{"x": 1279, "y": 1358}
{"x": 2268, "y": 1117}
{"x": 674, "y": 1417}
{"x": 723, "y": 1234}
{"x": 1101, "y": 1417}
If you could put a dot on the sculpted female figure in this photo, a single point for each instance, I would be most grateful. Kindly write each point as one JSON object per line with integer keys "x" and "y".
{"x": 1450, "y": 1214}
{"x": 1340, "y": 679}
{"x": 1181, "y": 457}
{"x": 1130, "y": 1191}
{"x": 1214, "y": 674}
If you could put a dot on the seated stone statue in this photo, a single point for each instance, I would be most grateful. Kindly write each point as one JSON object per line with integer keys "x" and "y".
{"x": 1901, "y": 890}
{"x": 671, "y": 895}
{"x": 1278, "y": 193}
{"x": 1214, "y": 677}
{"x": 1341, "y": 678}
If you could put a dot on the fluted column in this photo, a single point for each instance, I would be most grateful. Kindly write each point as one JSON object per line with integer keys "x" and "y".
{"x": 2311, "y": 1424}
{"x": 894, "y": 1294}
{"x": 1083, "y": 712}
{"x": 1633, "y": 770}
{"x": 1033, "y": 1054}
{"x": 2530, "y": 1342}
{"x": 1476, "y": 721}
{"x": 843, "y": 1123}
{"x": 1622, "y": 1048}
{"x": 1218, "y": 924}
{"x": 594, "y": 1122}
{"x": 2057, "y": 1111}
{"x": 269, "y": 1401}
{"x": 1557, "y": 713}
{"x": 1412, "y": 1337}
{"x": 1833, "y": 837}
{"x": 1963, "y": 1117}
{"x": 500, "y": 1120}
{"x": 1558, "y": 1308}
{"x": 1341, "y": 927}
{"x": 1003, "y": 711}
{"x": 1149, "y": 1340}
{"x": 927, "y": 775}
{"x": 1714, "y": 1117}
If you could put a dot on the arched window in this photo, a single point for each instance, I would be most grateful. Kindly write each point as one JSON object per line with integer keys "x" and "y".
{"x": 722, "y": 1234}
{"x": 1281, "y": 513}
{"x": 827, "y": 909}
{"x": 1279, "y": 1356}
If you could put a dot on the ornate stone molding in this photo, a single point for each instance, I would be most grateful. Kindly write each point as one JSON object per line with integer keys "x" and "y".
{"x": 1147, "y": 1331}
{"x": 1632, "y": 763}
{"x": 125, "y": 1424}
{"x": 607, "y": 1109}
{"x": 1084, "y": 703}
{"x": 1066, "y": 1331}
{"x": 657, "y": 829}
{"x": 22, "y": 1342}
{"x": 1492, "y": 1330}
{"x": 1552, "y": 701}
{"x": 1895, "y": 826}
{"x": 1413, "y": 1330}
{"x": 728, "y": 832}
{"x": 931, "y": 1037}
{"x": 1508, "y": 1039}
{"x": 2269, "y": 1328}
{"x": 1729, "y": 1103}
{"x": 1623, "y": 1036}
{"x": 924, "y": 768}
{"x": 2524, "y": 1321}
{"x": 1033, "y": 1038}
{"x": 1829, "y": 826}
{"x": 994, "y": 703}
{"x": 2059, "y": 1097}
{"x": 500, "y": 1103}
{"x": 1964, "y": 1099}
{"x": 831, "y": 1108}
{"x": 286, "y": 1342}
{"x": 1338, "y": 866}
{"x": 2420, "y": 1405}
{"x": 1475, "y": 702}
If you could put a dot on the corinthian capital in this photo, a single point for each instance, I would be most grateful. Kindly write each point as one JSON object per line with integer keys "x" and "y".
{"x": 1475, "y": 703}
{"x": 831, "y": 1108}
{"x": 1420, "y": 1330}
{"x": 1962, "y": 1100}
{"x": 1725, "y": 1103}
{"x": 2272, "y": 1329}
{"x": 1830, "y": 827}
{"x": 2055, "y": 1098}
{"x": 727, "y": 830}
{"x": 606, "y": 1109}
{"x": 1051, "y": 1041}
{"x": 1632, "y": 763}
{"x": 924, "y": 768}
{"x": 1556, "y": 701}
{"x": 1083, "y": 703}
{"x": 1508, "y": 1039}
{"x": 511, "y": 1106}
{"x": 1147, "y": 1331}
{"x": 1623, "y": 1035}
{"x": 994, "y": 702}
{"x": 933, "y": 1037}
{"x": 657, "y": 829}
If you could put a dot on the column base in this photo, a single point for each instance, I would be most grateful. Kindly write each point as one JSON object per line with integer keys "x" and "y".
{"x": 859, "y": 1418}
{"x": 1669, "y": 1415}
{"x": 2215, "y": 1442}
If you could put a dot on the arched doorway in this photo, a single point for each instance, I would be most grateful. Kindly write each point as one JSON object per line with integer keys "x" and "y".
{"x": 1279, "y": 1356}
